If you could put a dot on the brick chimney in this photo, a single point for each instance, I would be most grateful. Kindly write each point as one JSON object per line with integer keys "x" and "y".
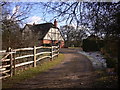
{"x": 34, "y": 23}
{"x": 55, "y": 23}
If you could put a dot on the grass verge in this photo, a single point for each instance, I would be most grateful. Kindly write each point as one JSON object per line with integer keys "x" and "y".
{"x": 32, "y": 72}
{"x": 105, "y": 80}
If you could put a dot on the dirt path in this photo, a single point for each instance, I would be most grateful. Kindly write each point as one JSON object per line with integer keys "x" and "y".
{"x": 74, "y": 72}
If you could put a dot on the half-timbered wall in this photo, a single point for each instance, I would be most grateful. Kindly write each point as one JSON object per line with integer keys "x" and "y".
{"x": 53, "y": 34}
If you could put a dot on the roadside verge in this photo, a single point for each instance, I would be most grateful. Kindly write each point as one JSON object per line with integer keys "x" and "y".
{"x": 32, "y": 72}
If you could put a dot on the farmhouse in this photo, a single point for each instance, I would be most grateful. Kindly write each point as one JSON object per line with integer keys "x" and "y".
{"x": 48, "y": 33}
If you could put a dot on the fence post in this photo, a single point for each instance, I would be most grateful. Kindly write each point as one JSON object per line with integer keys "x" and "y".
{"x": 34, "y": 53}
{"x": 58, "y": 50}
{"x": 11, "y": 58}
{"x": 51, "y": 53}
{"x": 14, "y": 62}
{"x": 9, "y": 62}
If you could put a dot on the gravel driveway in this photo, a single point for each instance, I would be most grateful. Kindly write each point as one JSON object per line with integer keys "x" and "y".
{"x": 75, "y": 71}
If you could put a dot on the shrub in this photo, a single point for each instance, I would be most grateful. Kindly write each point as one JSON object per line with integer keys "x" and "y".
{"x": 92, "y": 45}
{"x": 111, "y": 63}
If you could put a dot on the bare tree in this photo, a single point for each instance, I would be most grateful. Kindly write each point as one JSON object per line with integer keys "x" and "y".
{"x": 66, "y": 11}
{"x": 17, "y": 14}
{"x": 73, "y": 36}
{"x": 11, "y": 20}
{"x": 98, "y": 16}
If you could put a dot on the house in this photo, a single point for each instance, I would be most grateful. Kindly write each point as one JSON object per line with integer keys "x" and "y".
{"x": 48, "y": 33}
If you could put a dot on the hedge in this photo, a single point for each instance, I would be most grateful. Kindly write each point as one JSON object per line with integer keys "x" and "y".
{"x": 92, "y": 45}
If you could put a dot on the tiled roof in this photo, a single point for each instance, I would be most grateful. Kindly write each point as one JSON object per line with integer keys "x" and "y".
{"x": 42, "y": 28}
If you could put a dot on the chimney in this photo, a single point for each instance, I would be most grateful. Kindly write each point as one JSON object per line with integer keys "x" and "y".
{"x": 55, "y": 23}
{"x": 34, "y": 23}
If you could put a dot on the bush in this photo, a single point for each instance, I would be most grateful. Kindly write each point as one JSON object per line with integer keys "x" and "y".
{"x": 92, "y": 45}
{"x": 111, "y": 47}
{"x": 110, "y": 50}
{"x": 111, "y": 63}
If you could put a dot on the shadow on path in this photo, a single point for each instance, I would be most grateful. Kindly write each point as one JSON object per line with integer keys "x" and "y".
{"x": 74, "y": 72}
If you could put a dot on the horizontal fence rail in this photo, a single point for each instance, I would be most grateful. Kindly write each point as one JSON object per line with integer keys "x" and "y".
{"x": 12, "y": 59}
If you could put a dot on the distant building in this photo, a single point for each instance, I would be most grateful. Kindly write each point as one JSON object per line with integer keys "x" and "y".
{"x": 49, "y": 34}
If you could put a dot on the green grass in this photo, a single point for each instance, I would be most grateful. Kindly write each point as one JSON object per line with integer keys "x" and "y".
{"x": 32, "y": 72}
{"x": 1, "y": 56}
{"x": 75, "y": 48}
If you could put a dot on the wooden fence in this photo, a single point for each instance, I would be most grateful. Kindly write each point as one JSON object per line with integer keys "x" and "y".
{"x": 10, "y": 60}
